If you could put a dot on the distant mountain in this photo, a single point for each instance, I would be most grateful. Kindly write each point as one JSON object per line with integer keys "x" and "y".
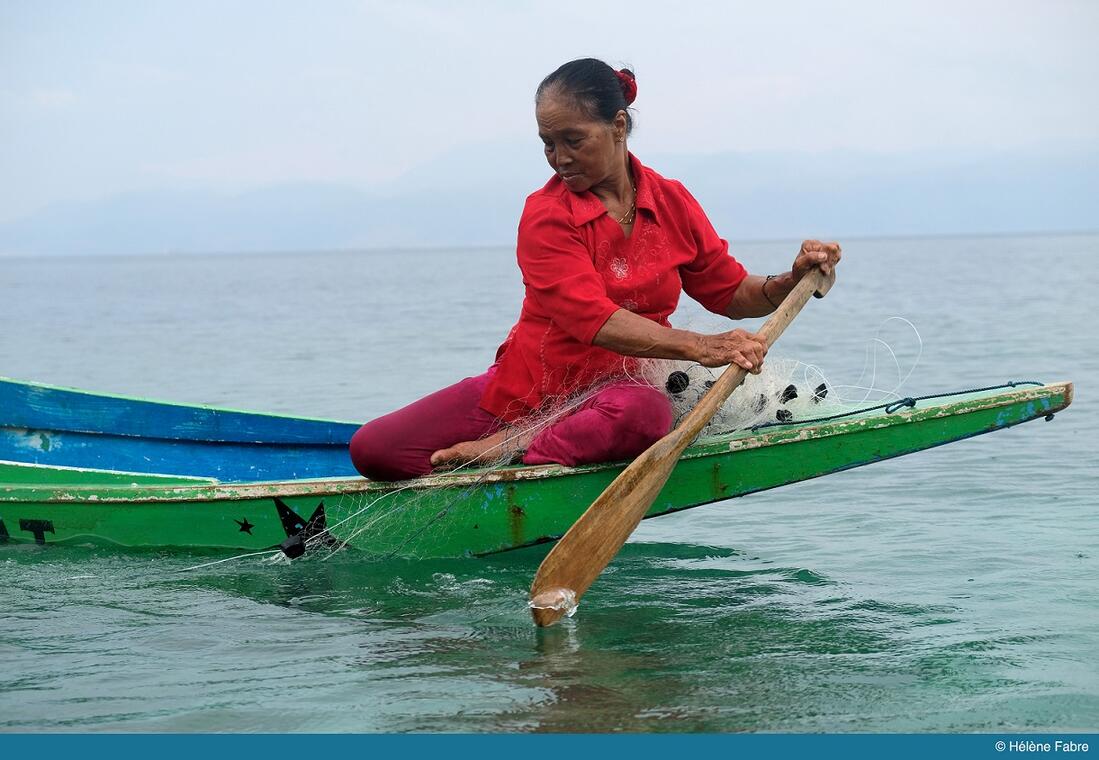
{"x": 848, "y": 194}
{"x": 474, "y": 197}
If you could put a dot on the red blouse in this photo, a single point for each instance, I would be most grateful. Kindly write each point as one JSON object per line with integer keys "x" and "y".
{"x": 579, "y": 268}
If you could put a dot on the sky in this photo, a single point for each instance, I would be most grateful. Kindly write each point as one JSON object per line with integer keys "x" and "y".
{"x": 103, "y": 98}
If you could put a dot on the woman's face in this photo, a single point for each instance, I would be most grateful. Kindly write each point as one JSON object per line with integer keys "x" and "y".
{"x": 583, "y": 152}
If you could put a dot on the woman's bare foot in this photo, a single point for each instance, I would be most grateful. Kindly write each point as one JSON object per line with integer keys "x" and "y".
{"x": 506, "y": 445}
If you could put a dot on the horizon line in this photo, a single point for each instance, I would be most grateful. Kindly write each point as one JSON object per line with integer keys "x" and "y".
{"x": 482, "y": 246}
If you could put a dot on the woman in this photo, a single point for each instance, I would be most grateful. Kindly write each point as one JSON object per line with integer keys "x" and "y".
{"x": 605, "y": 249}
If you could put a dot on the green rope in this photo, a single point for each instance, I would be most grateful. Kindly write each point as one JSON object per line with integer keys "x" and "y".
{"x": 893, "y": 406}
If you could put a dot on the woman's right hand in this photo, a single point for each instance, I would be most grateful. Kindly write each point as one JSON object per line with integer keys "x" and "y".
{"x": 738, "y": 347}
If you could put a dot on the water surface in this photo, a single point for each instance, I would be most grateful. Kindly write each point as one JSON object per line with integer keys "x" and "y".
{"x": 951, "y": 590}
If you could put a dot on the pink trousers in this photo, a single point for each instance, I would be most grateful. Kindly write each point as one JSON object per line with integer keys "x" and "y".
{"x": 618, "y": 421}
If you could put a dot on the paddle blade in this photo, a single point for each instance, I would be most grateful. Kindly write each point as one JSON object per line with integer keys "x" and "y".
{"x": 594, "y": 539}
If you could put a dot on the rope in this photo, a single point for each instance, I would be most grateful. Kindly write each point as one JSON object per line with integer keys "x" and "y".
{"x": 894, "y": 406}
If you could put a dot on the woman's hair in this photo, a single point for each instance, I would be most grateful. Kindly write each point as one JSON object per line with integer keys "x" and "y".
{"x": 595, "y": 87}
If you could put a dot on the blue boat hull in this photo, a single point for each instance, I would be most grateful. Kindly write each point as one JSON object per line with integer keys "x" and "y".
{"x": 41, "y": 424}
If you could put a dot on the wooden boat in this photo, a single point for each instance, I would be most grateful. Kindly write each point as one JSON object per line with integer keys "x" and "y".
{"x": 43, "y": 424}
{"x": 475, "y": 512}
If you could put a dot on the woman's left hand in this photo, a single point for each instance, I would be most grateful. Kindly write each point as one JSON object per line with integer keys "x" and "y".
{"x": 814, "y": 253}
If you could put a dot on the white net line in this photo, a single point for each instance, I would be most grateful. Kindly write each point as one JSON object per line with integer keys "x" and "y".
{"x": 787, "y": 390}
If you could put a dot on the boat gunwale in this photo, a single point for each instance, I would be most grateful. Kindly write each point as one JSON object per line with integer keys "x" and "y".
{"x": 725, "y": 444}
{"x": 162, "y": 403}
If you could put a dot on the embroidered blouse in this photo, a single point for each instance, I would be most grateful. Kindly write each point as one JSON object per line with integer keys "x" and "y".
{"x": 579, "y": 268}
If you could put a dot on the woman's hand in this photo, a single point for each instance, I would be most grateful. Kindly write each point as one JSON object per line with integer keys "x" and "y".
{"x": 758, "y": 296}
{"x": 738, "y": 347}
{"x": 814, "y": 253}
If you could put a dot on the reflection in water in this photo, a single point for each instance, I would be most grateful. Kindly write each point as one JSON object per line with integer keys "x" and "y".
{"x": 673, "y": 637}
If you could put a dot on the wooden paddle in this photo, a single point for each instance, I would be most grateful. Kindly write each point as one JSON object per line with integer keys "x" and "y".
{"x": 594, "y": 539}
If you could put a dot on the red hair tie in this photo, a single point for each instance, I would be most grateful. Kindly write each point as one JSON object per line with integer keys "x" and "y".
{"x": 629, "y": 85}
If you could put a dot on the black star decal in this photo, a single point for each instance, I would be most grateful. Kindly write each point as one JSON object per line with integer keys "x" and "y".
{"x": 245, "y": 526}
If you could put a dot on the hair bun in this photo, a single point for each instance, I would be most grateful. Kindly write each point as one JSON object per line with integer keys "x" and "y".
{"x": 629, "y": 84}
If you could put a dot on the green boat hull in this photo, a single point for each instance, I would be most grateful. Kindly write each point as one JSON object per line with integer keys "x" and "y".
{"x": 474, "y": 512}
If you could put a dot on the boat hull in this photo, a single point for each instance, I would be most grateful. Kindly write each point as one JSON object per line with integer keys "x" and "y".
{"x": 484, "y": 512}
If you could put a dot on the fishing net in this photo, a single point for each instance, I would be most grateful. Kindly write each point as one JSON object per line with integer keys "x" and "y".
{"x": 785, "y": 392}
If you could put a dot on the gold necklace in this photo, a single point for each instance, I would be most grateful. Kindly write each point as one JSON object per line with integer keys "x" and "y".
{"x": 627, "y": 218}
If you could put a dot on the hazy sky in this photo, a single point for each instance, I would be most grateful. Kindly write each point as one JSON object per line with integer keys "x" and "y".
{"x": 102, "y": 97}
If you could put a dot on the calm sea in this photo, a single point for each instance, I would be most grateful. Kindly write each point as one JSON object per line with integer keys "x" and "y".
{"x": 952, "y": 590}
